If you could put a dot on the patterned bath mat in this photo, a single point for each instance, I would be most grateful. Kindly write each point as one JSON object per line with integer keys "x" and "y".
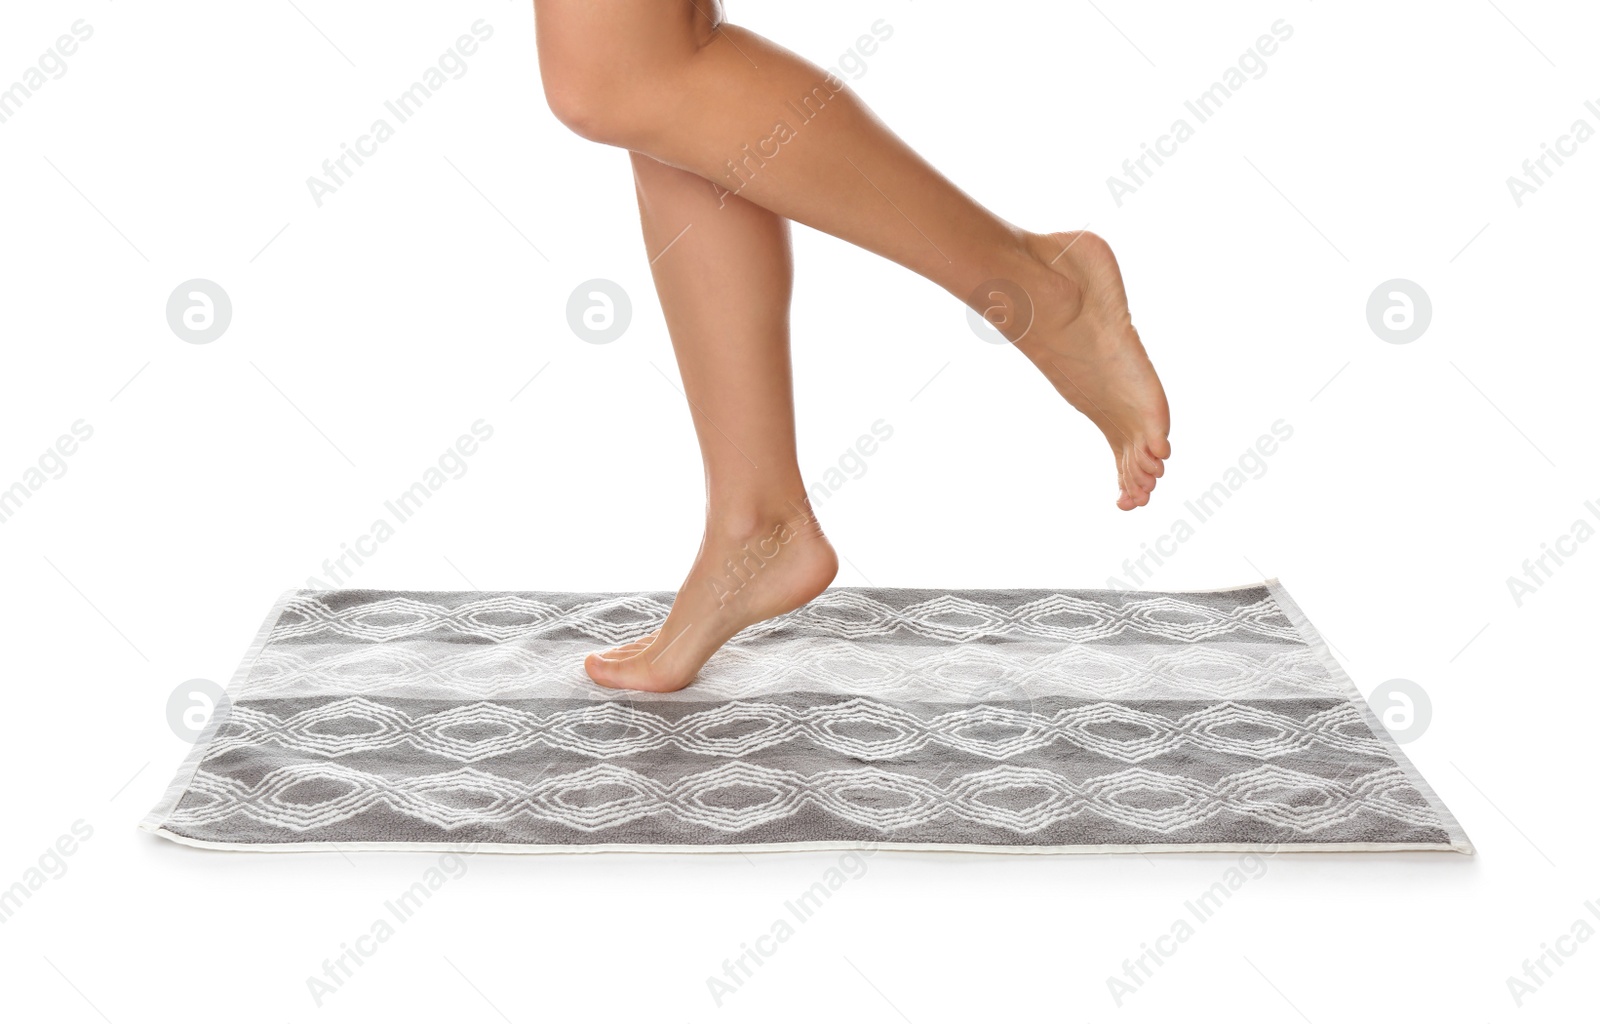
{"x": 1012, "y": 721}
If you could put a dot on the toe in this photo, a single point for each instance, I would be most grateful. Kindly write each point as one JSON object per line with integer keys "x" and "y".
{"x": 600, "y": 669}
{"x": 626, "y": 673}
{"x": 1135, "y": 480}
{"x": 1133, "y": 493}
{"x": 1161, "y": 448}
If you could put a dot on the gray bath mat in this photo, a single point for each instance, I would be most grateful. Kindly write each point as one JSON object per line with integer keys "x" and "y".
{"x": 1007, "y": 721}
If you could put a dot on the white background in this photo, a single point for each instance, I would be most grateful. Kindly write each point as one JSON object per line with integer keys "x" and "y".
{"x": 368, "y": 333}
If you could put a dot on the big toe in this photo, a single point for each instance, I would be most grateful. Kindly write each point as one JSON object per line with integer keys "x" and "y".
{"x": 605, "y": 669}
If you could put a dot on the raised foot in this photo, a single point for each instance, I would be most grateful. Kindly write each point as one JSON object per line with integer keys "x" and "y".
{"x": 1082, "y": 338}
{"x": 740, "y": 578}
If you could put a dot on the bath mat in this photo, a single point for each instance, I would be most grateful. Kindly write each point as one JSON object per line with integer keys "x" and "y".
{"x": 1006, "y": 721}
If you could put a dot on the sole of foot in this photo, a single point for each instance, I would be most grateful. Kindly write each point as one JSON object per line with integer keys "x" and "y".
{"x": 1081, "y": 337}
{"x": 740, "y": 578}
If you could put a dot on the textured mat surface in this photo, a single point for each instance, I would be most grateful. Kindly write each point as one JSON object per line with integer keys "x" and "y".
{"x": 1022, "y": 721}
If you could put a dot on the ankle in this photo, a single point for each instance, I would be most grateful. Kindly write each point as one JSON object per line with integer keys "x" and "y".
{"x": 1051, "y": 282}
{"x": 1032, "y": 282}
{"x": 763, "y": 564}
{"x": 1055, "y": 258}
{"x": 743, "y": 520}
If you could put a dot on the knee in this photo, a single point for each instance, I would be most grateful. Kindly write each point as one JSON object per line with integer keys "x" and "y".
{"x": 602, "y": 102}
{"x": 585, "y": 103}
{"x": 617, "y": 92}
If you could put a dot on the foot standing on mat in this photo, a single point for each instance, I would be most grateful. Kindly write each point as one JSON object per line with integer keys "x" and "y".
{"x": 688, "y": 95}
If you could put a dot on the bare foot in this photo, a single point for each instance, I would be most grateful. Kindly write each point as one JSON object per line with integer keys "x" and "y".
{"x": 1080, "y": 335}
{"x": 741, "y": 577}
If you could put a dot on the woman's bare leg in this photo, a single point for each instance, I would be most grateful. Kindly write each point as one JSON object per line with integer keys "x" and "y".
{"x": 724, "y": 273}
{"x": 669, "y": 79}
